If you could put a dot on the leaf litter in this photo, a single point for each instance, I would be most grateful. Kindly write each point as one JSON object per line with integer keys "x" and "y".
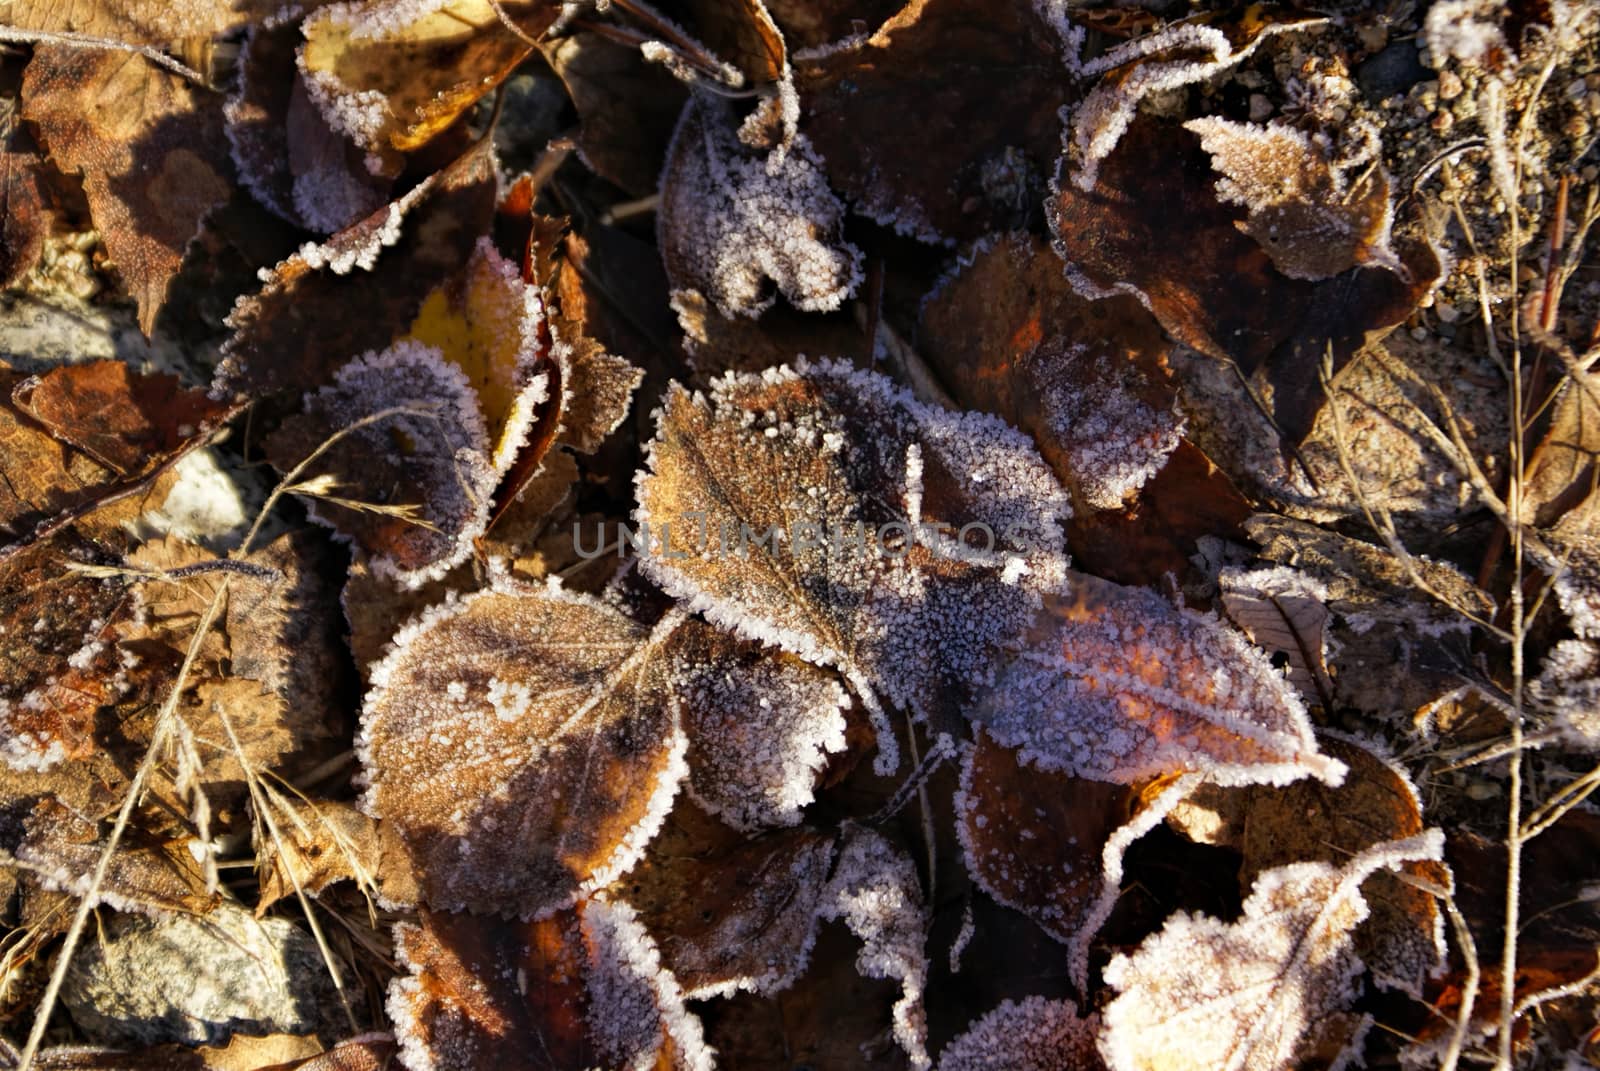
{"x": 746, "y": 436}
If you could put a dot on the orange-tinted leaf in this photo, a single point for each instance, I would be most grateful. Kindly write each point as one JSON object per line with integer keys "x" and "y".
{"x": 525, "y": 744}
{"x": 581, "y": 988}
{"x": 392, "y": 75}
{"x": 754, "y": 497}
{"x": 1118, "y": 684}
{"x": 23, "y": 221}
{"x": 128, "y": 422}
{"x": 302, "y": 326}
{"x": 151, "y": 149}
{"x": 910, "y": 126}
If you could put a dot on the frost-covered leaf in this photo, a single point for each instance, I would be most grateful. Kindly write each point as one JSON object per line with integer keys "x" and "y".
{"x": 144, "y": 22}
{"x": 491, "y": 325}
{"x": 754, "y": 499}
{"x": 1035, "y": 1034}
{"x": 1118, "y": 684}
{"x": 874, "y": 891}
{"x": 1284, "y": 612}
{"x": 912, "y": 128}
{"x": 58, "y": 659}
{"x": 1312, "y": 220}
{"x": 392, "y": 74}
{"x": 286, "y": 154}
{"x": 151, "y": 149}
{"x": 732, "y": 916}
{"x": 761, "y": 725}
{"x": 583, "y": 988}
{"x": 1402, "y": 940}
{"x": 1087, "y": 380}
{"x": 1182, "y": 54}
{"x": 62, "y": 849}
{"x": 1569, "y": 688}
{"x": 412, "y": 487}
{"x": 1032, "y": 839}
{"x": 735, "y": 224}
{"x": 354, "y": 292}
{"x": 1207, "y": 994}
{"x": 525, "y": 743}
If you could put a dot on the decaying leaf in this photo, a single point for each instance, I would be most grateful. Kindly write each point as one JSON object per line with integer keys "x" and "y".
{"x": 739, "y": 916}
{"x": 1118, "y": 684}
{"x": 1313, "y": 221}
{"x": 1032, "y": 839}
{"x": 874, "y": 891}
{"x": 826, "y": 511}
{"x": 910, "y": 125}
{"x": 1035, "y": 1034}
{"x": 302, "y": 325}
{"x": 411, "y": 486}
{"x": 1284, "y": 612}
{"x": 1208, "y": 994}
{"x": 525, "y": 743}
{"x": 741, "y": 227}
{"x": 1087, "y": 379}
{"x": 23, "y": 219}
{"x": 392, "y": 74}
{"x": 1187, "y": 52}
{"x": 581, "y": 988}
{"x": 62, "y": 849}
{"x": 761, "y": 725}
{"x": 324, "y": 842}
{"x": 59, "y": 662}
{"x": 150, "y": 147}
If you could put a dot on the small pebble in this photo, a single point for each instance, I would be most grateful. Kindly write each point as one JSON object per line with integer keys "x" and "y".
{"x": 1260, "y": 108}
{"x": 1449, "y": 85}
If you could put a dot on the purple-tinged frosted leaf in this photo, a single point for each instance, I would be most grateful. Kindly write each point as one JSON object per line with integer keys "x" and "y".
{"x": 1118, "y": 684}
{"x": 582, "y": 988}
{"x": 780, "y": 507}
{"x": 733, "y": 223}
{"x": 1035, "y": 1034}
{"x": 526, "y": 745}
{"x": 874, "y": 891}
{"x": 1206, "y": 994}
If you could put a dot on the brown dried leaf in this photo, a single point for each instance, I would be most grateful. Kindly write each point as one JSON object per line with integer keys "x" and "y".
{"x": 367, "y": 1052}
{"x": 908, "y": 125}
{"x": 627, "y": 107}
{"x": 324, "y": 842}
{"x": 1284, "y": 612}
{"x": 1032, "y": 839}
{"x": 391, "y": 75}
{"x": 1312, "y": 221}
{"x": 815, "y": 453}
{"x": 150, "y": 147}
{"x": 525, "y": 744}
{"x": 23, "y": 220}
{"x": 299, "y": 328}
{"x": 59, "y": 662}
{"x": 1204, "y": 993}
{"x": 581, "y": 988}
{"x": 733, "y": 916}
{"x": 128, "y": 422}
{"x": 1118, "y": 684}
{"x": 148, "y": 22}
{"x": 62, "y": 848}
